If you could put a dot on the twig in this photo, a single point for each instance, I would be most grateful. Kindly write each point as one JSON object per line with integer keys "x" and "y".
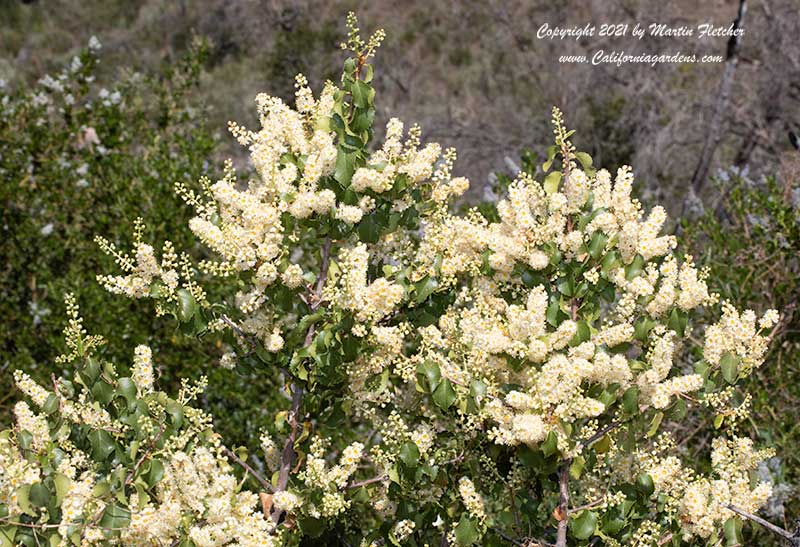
{"x": 288, "y": 454}
{"x": 508, "y": 538}
{"x": 562, "y": 511}
{"x": 597, "y": 436}
{"x": 261, "y": 480}
{"x": 792, "y": 538}
{"x": 589, "y": 505}
{"x": 141, "y": 460}
{"x": 373, "y": 480}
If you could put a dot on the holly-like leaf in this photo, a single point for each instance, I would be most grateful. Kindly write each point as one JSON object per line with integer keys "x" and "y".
{"x": 409, "y": 454}
{"x": 429, "y": 370}
{"x": 187, "y": 305}
{"x": 551, "y": 182}
{"x": 444, "y": 395}
{"x": 466, "y": 532}
{"x": 424, "y": 288}
{"x": 584, "y": 525}
{"x": 729, "y": 365}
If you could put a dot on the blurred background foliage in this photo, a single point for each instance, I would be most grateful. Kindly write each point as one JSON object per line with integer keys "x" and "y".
{"x": 89, "y": 155}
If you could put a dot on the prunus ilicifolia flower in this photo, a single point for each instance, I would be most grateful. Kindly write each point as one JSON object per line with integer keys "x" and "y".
{"x": 447, "y": 378}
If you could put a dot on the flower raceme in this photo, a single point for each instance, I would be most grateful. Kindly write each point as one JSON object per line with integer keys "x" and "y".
{"x": 453, "y": 379}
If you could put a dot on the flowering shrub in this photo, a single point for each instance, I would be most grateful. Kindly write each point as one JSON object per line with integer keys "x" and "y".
{"x": 82, "y": 153}
{"x": 759, "y": 268}
{"x": 448, "y": 379}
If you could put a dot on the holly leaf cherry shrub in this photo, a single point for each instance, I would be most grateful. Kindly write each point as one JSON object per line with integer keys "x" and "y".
{"x": 447, "y": 380}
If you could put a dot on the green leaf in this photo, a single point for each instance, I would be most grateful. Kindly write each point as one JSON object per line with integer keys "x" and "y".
{"x": 584, "y": 525}
{"x": 361, "y": 94}
{"x": 551, "y": 182}
{"x": 655, "y": 424}
{"x": 550, "y": 444}
{"x": 678, "y": 321}
{"x": 551, "y": 153}
{"x": 23, "y": 500}
{"x": 127, "y": 389}
{"x": 430, "y": 371}
{"x": 733, "y": 531}
{"x": 311, "y": 527}
{"x": 576, "y": 467}
{"x": 466, "y": 531}
{"x": 582, "y": 334}
{"x": 187, "y": 305}
{"x": 630, "y": 400}
{"x": 477, "y": 389}
{"x": 609, "y": 261}
{"x": 51, "y": 404}
{"x": 175, "y": 411}
{"x": 644, "y": 483}
{"x": 102, "y": 392}
{"x": 115, "y": 517}
{"x": 409, "y": 455}
{"x": 597, "y": 245}
{"x": 585, "y": 159}
{"x": 552, "y": 313}
{"x": 424, "y": 288}
{"x": 7, "y": 534}
{"x": 345, "y": 167}
{"x": 156, "y": 473}
{"x": 62, "y": 483}
{"x": 39, "y": 495}
{"x": 729, "y": 364}
{"x": 102, "y": 444}
{"x": 444, "y": 395}
{"x": 634, "y": 268}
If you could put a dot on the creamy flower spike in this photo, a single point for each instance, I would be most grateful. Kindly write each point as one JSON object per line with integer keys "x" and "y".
{"x": 533, "y": 349}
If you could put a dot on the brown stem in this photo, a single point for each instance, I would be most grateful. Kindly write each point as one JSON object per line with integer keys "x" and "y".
{"x": 563, "y": 505}
{"x": 261, "y": 480}
{"x": 792, "y": 538}
{"x": 589, "y": 505}
{"x": 141, "y": 460}
{"x": 597, "y": 436}
{"x": 368, "y": 481}
{"x": 288, "y": 454}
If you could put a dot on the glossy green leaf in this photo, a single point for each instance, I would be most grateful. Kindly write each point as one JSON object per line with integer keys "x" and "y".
{"x": 584, "y": 525}
{"x": 585, "y": 159}
{"x": 644, "y": 483}
{"x": 729, "y": 365}
{"x": 444, "y": 395}
{"x": 187, "y": 305}
{"x": 597, "y": 245}
{"x": 655, "y": 423}
{"x": 102, "y": 444}
{"x": 630, "y": 400}
{"x": 409, "y": 454}
{"x": 466, "y": 531}
{"x": 550, "y": 444}
{"x": 551, "y": 182}
{"x": 424, "y": 288}
{"x": 431, "y": 373}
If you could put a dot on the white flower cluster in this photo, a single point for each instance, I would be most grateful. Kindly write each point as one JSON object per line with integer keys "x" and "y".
{"x": 471, "y": 498}
{"x": 200, "y": 484}
{"x": 142, "y": 373}
{"x": 330, "y": 481}
{"x": 740, "y": 335}
{"x": 702, "y": 501}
